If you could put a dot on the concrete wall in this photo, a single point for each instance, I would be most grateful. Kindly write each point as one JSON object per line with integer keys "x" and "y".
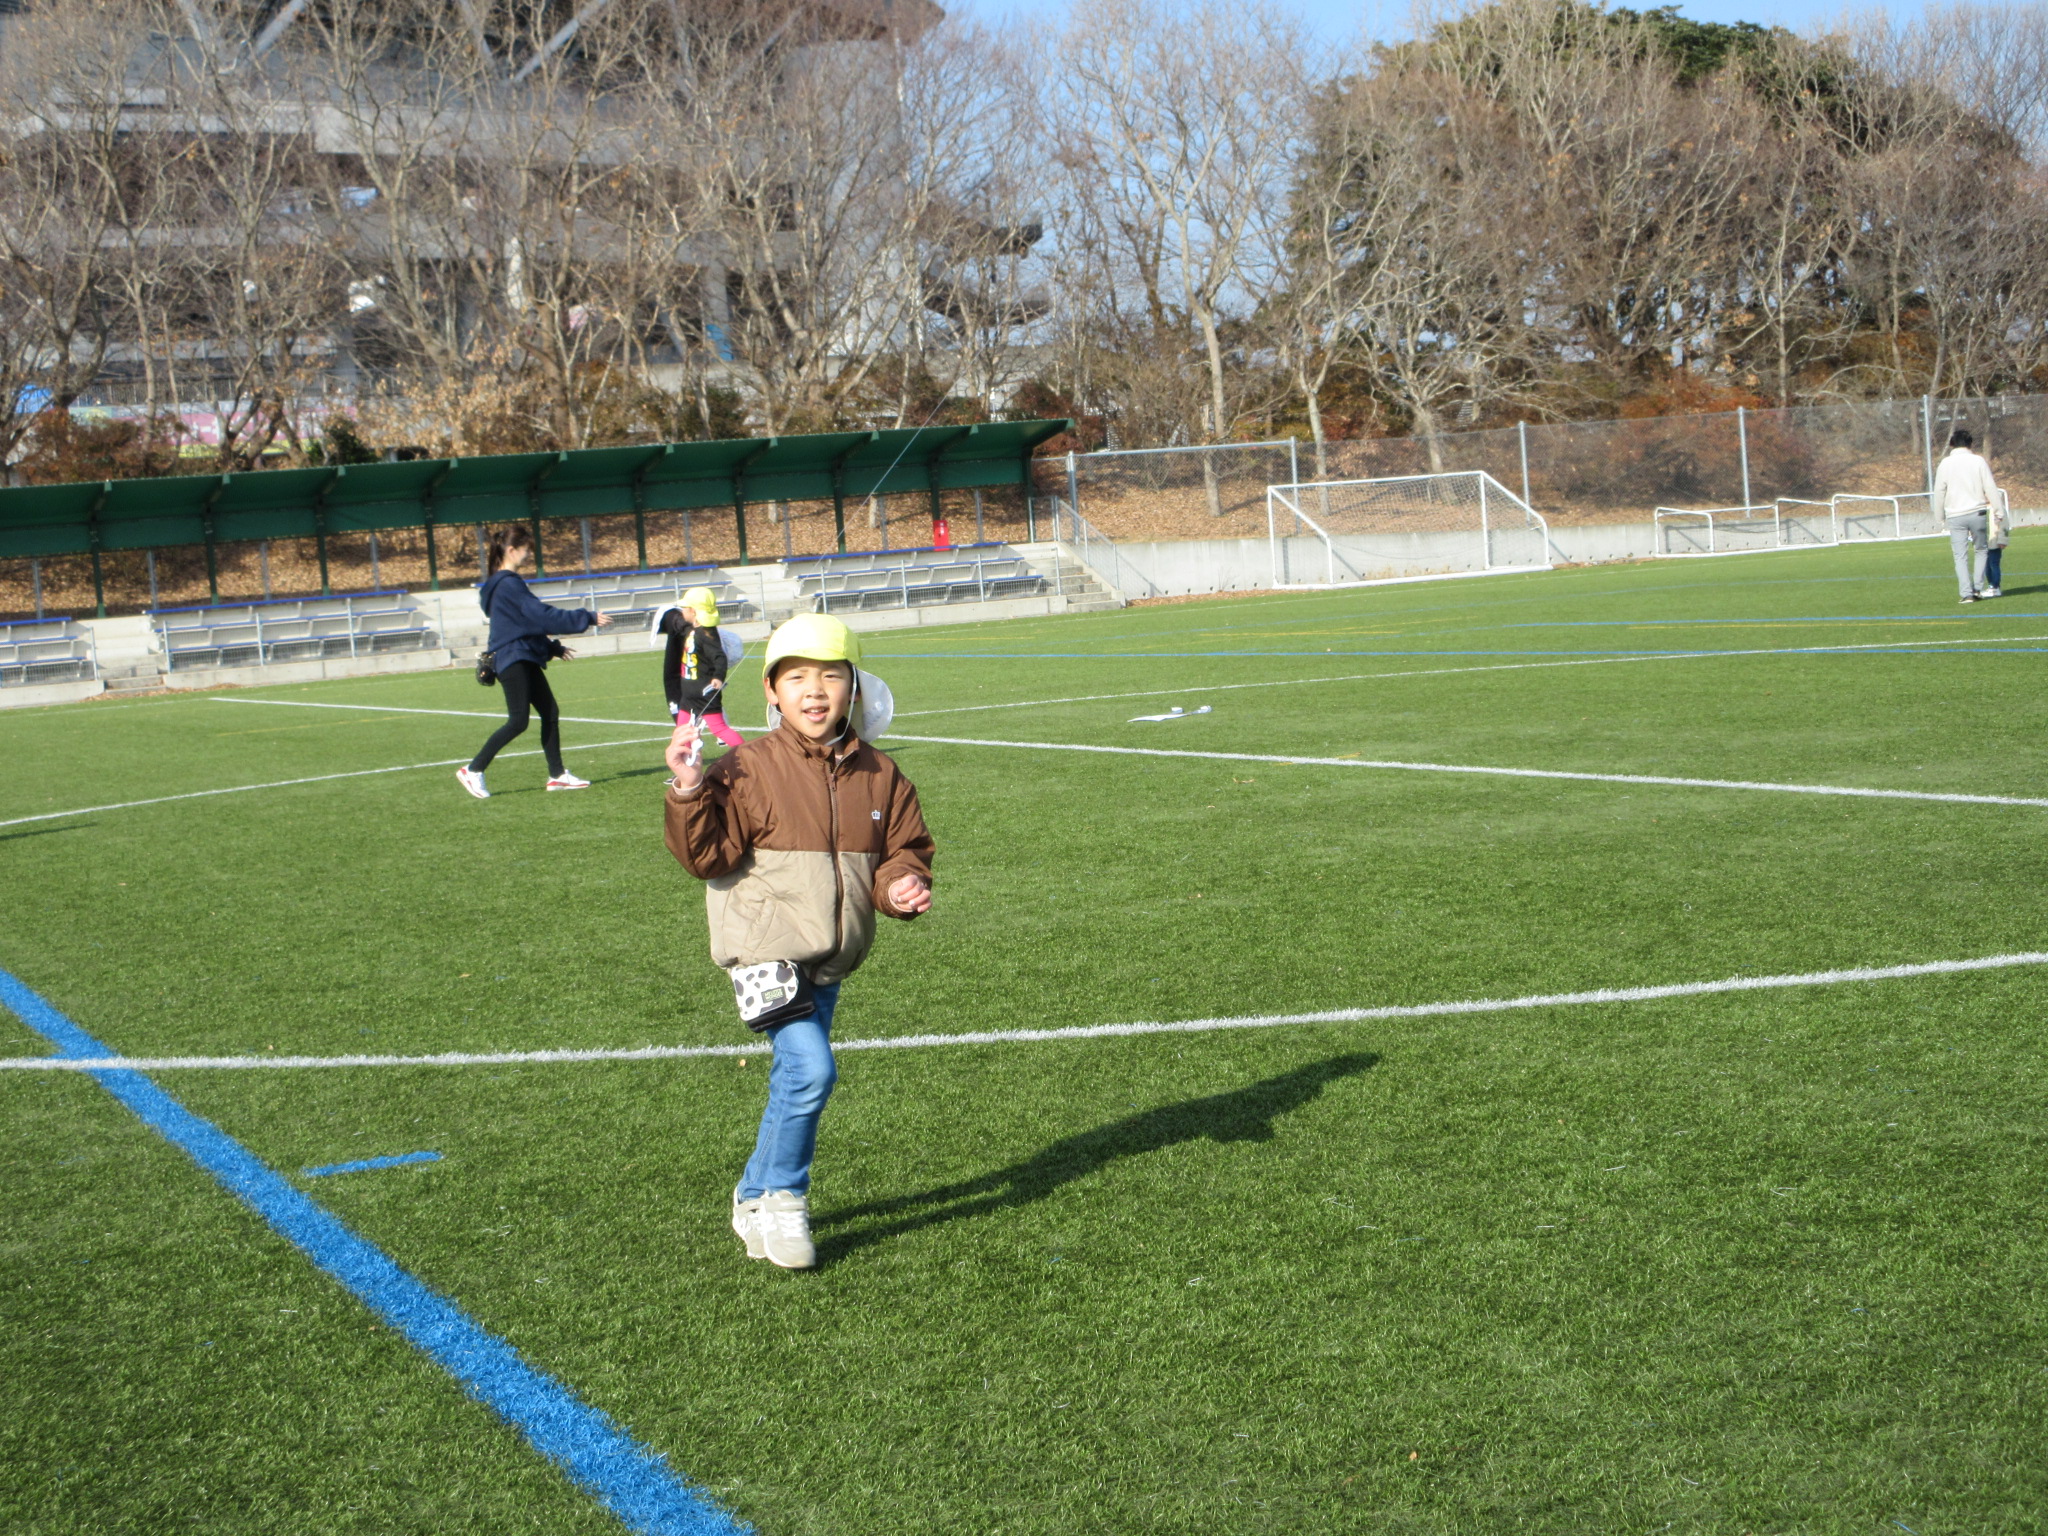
{"x": 1176, "y": 568}
{"x": 1236, "y": 565}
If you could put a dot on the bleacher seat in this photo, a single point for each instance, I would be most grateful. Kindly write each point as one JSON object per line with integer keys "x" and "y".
{"x": 52, "y": 650}
{"x": 914, "y": 578}
{"x": 300, "y": 629}
{"x": 892, "y": 559}
{"x": 633, "y": 597}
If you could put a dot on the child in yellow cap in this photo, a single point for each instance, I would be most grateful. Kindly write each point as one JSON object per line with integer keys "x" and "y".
{"x": 801, "y": 837}
{"x": 694, "y": 667}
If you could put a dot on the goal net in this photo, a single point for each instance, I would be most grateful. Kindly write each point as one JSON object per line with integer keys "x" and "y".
{"x": 1794, "y": 523}
{"x": 1327, "y": 533}
{"x": 1860, "y": 518}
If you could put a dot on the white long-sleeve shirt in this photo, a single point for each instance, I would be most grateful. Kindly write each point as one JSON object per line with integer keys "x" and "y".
{"x": 1963, "y": 484}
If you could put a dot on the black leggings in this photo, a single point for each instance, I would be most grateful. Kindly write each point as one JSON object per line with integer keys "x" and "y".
{"x": 526, "y": 688}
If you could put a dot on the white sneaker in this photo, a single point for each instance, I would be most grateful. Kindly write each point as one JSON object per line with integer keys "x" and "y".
{"x": 473, "y": 782}
{"x": 1991, "y": 592}
{"x": 746, "y": 1220}
{"x": 786, "y": 1230}
{"x": 567, "y": 780}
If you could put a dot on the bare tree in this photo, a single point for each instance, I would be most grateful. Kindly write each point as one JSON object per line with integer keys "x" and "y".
{"x": 68, "y": 188}
{"x": 1179, "y": 136}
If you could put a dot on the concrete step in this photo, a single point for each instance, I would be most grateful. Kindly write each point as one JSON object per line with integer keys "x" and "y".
{"x": 132, "y": 681}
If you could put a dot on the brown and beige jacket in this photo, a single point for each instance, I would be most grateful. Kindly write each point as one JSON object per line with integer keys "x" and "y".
{"x": 798, "y": 845}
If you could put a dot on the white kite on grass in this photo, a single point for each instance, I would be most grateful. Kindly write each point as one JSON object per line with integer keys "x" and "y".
{"x": 1175, "y": 713}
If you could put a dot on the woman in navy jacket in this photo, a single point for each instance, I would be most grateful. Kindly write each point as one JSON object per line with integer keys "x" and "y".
{"x": 521, "y": 645}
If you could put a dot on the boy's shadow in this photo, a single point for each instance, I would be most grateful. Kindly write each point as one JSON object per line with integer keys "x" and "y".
{"x": 1243, "y": 1114}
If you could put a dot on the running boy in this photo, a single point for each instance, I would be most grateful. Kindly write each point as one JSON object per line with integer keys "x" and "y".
{"x": 801, "y": 836}
{"x": 693, "y": 667}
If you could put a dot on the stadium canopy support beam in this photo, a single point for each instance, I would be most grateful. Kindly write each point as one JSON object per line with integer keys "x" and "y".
{"x": 206, "y": 529}
{"x": 477, "y": 35}
{"x": 92, "y": 535}
{"x": 320, "y": 526}
{"x": 839, "y": 485}
{"x": 931, "y": 469}
{"x": 276, "y": 28}
{"x": 739, "y": 494}
{"x": 533, "y": 489}
{"x": 640, "y": 501}
{"x": 427, "y": 523}
{"x": 202, "y": 28}
{"x": 560, "y": 40}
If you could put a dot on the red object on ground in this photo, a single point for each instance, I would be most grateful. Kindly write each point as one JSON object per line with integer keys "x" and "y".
{"x": 942, "y": 535}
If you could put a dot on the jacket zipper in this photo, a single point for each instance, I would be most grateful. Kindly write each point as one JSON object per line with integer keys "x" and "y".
{"x": 838, "y": 875}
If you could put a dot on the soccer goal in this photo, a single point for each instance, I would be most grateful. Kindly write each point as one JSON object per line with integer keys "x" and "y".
{"x": 1804, "y": 524}
{"x": 1862, "y": 518}
{"x": 1716, "y": 530}
{"x": 1327, "y": 533}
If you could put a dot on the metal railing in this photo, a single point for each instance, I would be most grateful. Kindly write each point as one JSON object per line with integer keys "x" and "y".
{"x": 1098, "y": 551}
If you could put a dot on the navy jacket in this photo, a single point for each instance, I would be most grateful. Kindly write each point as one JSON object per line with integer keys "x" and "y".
{"x": 521, "y": 622}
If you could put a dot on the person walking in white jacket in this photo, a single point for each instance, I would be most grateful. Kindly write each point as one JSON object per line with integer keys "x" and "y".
{"x": 1963, "y": 495}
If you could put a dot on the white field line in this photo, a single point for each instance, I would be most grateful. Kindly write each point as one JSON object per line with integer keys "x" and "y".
{"x": 396, "y": 709}
{"x": 1078, "y": 1032}
{"x": 1509, "y": 666}
{"x": 1505, "y": 773}
{"x": 1278, "y": 682}
{"x": 318, "y": 778}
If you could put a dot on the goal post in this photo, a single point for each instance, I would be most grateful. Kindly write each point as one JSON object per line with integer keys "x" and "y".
{"x": 1863, "y": 518}
{"x": 1717, "y": 530}
{"x": 1336, "y": 532}
{"x": 1794, "y": 522}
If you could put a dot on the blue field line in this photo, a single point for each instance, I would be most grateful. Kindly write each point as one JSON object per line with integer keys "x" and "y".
{"x": 1853, "y": 618}
{"x": 1903, "y": 648}
{"x": 366, "y": 1164}
{"x": 628, "y": 1478}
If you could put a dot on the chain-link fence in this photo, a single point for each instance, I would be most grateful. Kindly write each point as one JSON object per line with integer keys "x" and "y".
{"x": 1586, "y": 471}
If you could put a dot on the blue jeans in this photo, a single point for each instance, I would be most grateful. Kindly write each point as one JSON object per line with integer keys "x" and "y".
{"x": 1993, "y": 559}
{"x": 799, "y": 1083}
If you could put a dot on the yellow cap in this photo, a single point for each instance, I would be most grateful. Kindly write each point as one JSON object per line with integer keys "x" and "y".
{"x": 705, "y": 601}
{"x": 813, "y": 636}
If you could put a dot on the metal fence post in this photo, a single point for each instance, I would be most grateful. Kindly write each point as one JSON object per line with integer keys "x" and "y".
{"x": 1927, "y": 445}
{"x": 1522, "y": 432}
{"x": 1073, "y": 488}
{"x": 1485, "y": 533}
{"x": 1742, "y": 441}
{"x": 1272, "y": 537}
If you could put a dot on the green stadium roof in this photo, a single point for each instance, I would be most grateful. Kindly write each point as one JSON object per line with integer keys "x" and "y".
{"x": 52, "y": 520}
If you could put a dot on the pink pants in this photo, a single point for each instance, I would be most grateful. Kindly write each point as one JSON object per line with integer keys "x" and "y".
{"x": 715, "y": 724}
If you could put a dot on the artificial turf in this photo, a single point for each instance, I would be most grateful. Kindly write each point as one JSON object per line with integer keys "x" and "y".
{"x": 1762, "y": 1262}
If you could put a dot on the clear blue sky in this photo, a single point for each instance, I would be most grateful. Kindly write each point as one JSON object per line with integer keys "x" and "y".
{"x": 1340, "y": 22}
